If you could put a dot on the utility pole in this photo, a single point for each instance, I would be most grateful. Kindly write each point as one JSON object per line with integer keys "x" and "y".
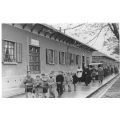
{"x": 64, "y": 31}
{"x": 60, "y": 29}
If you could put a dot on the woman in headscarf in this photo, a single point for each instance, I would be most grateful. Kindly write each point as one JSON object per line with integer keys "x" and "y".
{"x": 77, "y": 77}
{"x": 79, "y": 74}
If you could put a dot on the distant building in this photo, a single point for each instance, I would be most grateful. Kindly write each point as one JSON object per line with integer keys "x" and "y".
{"x": 99, "y": 57}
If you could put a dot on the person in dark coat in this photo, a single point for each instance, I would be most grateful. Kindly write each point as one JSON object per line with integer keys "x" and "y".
{"x": 116, "y": 70}
{"x": 111, "y": 70}
{"x": 93, "y": 74}
{"x": 100, "y": 74}
{"x": 86, "y": 75}
{"x": 105, "y": 72}
{"x": 75, "y": 80}
{"x": 59, "y": 81}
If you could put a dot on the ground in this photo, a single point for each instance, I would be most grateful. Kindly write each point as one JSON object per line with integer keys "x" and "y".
{"x": 82, "y": 90}
{"x": 114, "y": 91}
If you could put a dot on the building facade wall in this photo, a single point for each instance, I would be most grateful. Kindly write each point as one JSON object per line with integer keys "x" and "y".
{"x": 13, "y": 74}
{"x": 102, "y": 59}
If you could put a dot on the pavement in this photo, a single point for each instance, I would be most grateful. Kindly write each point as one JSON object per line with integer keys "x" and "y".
{"x": 113, "y": 91}
{"x": 82, "y": 90}
{"x": 12, "y": 92}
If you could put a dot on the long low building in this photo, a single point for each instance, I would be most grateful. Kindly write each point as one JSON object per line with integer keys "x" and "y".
{"x": 99, "y": 57}
{"x": 40, "y": 49}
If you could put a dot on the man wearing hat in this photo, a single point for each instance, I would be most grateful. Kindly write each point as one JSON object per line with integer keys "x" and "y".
{"x": 59, "y": 81}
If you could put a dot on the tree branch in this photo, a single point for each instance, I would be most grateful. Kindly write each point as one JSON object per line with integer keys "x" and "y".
{"x": 114, "y": 29}
{"x": 96, "y": 35}
{"x": 74, "y": 27}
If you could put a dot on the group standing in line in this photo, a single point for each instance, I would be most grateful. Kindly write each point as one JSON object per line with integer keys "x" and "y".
{"x": 53, "y": 86}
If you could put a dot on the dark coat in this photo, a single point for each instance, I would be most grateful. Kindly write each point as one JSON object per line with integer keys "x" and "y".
{"x": 59, "y": 78}
{"x": 75, "y": 79}
{"x": 86, "y": 76}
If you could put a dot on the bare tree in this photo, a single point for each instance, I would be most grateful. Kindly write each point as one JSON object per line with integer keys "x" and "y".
{"x": 115, "y": 29}
{"x": 91, "y": 33}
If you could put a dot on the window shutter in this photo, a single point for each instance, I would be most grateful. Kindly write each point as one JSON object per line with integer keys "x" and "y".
{"x": 3, "y": 51}
{"x": 15, "y": 51}
{"x": 69, "y": 59}
{"x": 46, "y": 56}
{"x": 55, "y": 56}
{"x": 19, "y": 52}
{"x": 66, "y": 58}
{"x": 74, "y": 59}
{"x": 59, "y": 58}
{"x": 78, "y": 60}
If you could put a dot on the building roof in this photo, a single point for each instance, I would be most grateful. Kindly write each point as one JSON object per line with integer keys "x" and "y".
{"x": 53, "y": 33}
{"x": 98, "y": 53}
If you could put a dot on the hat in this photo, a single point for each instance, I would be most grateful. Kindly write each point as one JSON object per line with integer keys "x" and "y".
{"x": 28, "y": 71}
{"x": 42, "y": 74}
{"x": 38, "y": 76}
{"x": 79, "y": 70}
{"x": 44, "y": 79}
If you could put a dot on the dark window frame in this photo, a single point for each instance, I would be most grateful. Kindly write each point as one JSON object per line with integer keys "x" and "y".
{"x": 62, "y": 60}
{"x": 48, "y": 57}
{"x": 9, "y": 52}
{"x": 77, "y": 59}
{"x": 34, "y": 59}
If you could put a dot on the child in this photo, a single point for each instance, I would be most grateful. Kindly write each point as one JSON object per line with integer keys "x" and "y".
{"x": 38, "y": 87}
{"x": 75, "y": 80}
{"x": 45, "y": 86}
{"x": 69, "y": 81}
{"x": 51, "y": 86}
{"x": 29, "y": 84}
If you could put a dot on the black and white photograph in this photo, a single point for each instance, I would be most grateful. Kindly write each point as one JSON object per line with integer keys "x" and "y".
{"x": 60, "y": 59}
{"x": 63, "y": 60}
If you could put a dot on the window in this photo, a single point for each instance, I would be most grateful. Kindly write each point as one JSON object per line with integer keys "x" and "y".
{"x": 83, "y": 59}
{"x": 71, "y": 57}
{"x": 9, "y": 51}
{"x": 77, "y": 59}
{"x": 61, "y": 57}
{"x": 34, "y": 59}
{"x": 12, "y": 52}
{"x": 51, "y": 56}
{"x": 66, "y": 58}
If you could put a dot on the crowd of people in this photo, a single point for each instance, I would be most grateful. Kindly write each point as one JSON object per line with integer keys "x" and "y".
{"x": 56, "y": 83}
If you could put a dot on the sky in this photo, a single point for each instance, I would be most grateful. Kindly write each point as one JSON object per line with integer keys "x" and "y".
{"x": 81, "y": 34}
